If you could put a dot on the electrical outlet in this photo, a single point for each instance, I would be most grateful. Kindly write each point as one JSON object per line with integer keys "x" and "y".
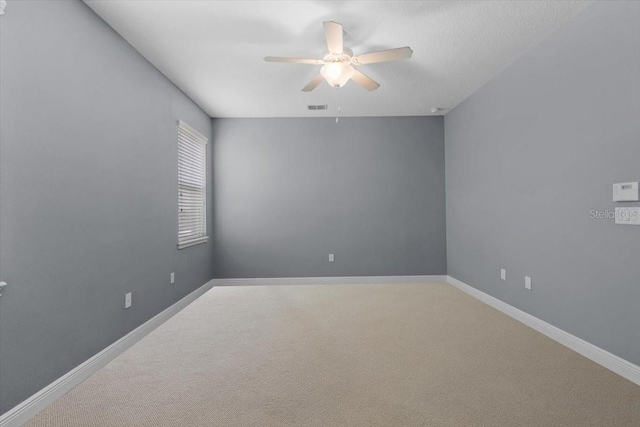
{"x": 503, "y": 274}
{"x": 172, "y": 280}
{"x": 127, "y": 300}
{"x": 332, "y": 258}
{"x": 527, "y": 282}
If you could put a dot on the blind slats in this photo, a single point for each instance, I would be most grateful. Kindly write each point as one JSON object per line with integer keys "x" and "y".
{"x": 190, "y": 158}
{"x": 187, "y": 158}
{"x": 192, "y": 175}
{"x": 192, "y": 187}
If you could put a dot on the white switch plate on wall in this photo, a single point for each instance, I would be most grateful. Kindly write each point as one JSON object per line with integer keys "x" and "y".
{"x": 628, "y": 216}
{"x": 331, "y": 258}
{"x": 503, "y": 274}
{"x": 127, "y": 300}
{"x": 527, "y": 282}
{"x": 172, "y": 279}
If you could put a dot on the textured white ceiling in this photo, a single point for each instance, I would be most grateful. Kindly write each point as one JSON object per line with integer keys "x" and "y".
{"x": 213, "y": 50}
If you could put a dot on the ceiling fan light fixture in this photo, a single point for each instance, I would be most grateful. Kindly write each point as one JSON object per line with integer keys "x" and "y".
{"x": 337, "y": 74}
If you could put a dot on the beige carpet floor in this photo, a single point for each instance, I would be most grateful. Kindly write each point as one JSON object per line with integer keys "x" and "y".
{"x": 349, "y": 355}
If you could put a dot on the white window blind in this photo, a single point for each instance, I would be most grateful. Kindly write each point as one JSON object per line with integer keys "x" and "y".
{"x": 192, "y": 186}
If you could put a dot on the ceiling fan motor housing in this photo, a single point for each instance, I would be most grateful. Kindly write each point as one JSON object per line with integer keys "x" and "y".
{"x": 345, "y": 56}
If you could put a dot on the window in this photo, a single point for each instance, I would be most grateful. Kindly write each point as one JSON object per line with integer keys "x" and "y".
{"x": 192, "y": 186}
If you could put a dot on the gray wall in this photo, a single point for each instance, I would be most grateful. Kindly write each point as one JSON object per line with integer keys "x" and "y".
{"x": 290, "y": 191}
{"x": 88, "y": 195}
{"x": 529, "y": 155}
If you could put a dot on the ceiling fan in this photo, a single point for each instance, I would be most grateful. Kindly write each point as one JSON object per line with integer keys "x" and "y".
{"x": 338, "y": 64}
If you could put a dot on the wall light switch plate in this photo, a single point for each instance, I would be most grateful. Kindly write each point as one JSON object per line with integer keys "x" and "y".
{"x": 503, "y": 274}
{"x": 625, "y": 192}
{"x": 628, "y": 216}
{"x": 527, "y": 282}
{"x": 127, "y": 300}
{"x": 332, "y": 258}
{"x": 172, "y": 280}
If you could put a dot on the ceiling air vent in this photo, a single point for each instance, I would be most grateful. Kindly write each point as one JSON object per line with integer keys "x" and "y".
{"x": 317, "y": 107}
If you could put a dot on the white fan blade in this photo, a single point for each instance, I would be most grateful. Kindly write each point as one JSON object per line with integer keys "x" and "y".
{"x": 313, "y": 83}
{"x": 294, "y": 60}
{"x": 383, "y": 56}
{"x": 364, "y": 81}
{"x": 333, "y": 33}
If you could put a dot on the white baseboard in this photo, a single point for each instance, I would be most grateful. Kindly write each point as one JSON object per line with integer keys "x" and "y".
{"x": 358, "y": 280}
{"x": 22, "y": 412}
{"x": 610, "y": 361}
